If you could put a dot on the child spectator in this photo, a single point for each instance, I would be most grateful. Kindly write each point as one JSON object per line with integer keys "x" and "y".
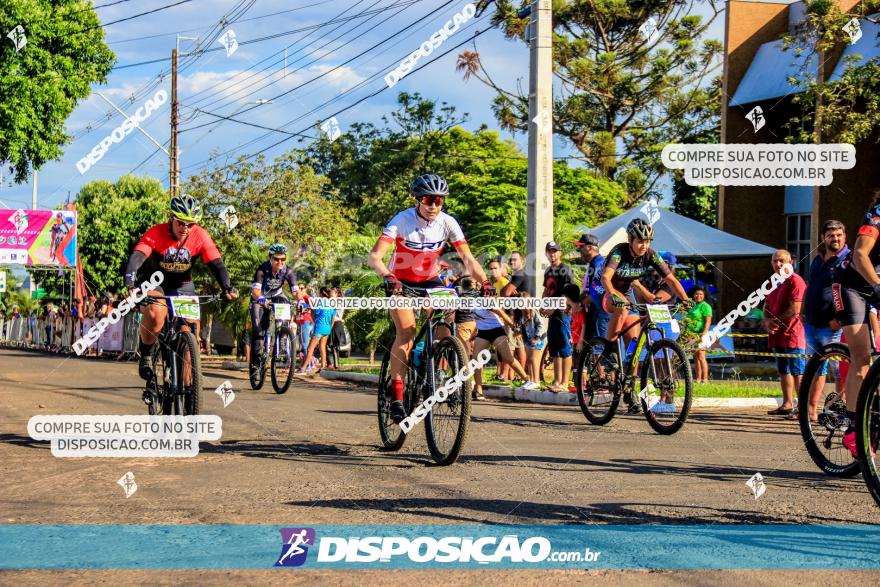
{"x": 323, "y": 318}
{"x": 303, "y": 319}
{"x": 533, "y": 327}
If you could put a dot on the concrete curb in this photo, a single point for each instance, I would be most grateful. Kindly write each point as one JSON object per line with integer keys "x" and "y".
{"x": 568, "y": 399}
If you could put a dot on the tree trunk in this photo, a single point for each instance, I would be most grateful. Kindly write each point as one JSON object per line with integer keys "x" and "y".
{"x": 209, "y": 322}
{"x": 372, "y": 350}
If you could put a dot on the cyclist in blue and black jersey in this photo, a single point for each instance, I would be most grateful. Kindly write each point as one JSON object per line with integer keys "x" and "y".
{"x": 268, "y": 286}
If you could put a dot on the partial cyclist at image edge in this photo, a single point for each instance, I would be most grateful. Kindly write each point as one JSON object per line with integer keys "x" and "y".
{"x": 267, "y": 287}
{"x": 418, "y": 235}
{"x": 856, "y": 286}
{"x": 171, "y": 247}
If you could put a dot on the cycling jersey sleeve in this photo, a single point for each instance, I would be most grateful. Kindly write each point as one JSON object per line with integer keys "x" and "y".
{"x": 259, "y": 276}
{"x": 453, "y": 232}
{"x": 291, "y": 280}
{"x": 871, "y": 225}
{"x": 207, "y": 248}
{"x": 612, "y": 261}
{"x": 392, "y": 229}
{"x": 220, "y": 273}
{"x": 135, "y": 261}
{"x": 149, "y": 241}
{"x": 659, "y": 264}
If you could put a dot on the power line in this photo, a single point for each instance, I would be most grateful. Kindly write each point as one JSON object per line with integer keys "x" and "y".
{"x": 251, "y": 91}
{"x": 266, "y": 38}
{"x": 134, "y": 16}
{"x": 361, "y": 100}
{"x": 229, "y": 83}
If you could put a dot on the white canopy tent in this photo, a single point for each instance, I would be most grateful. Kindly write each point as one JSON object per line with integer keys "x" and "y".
{"x": 682, "y": 236}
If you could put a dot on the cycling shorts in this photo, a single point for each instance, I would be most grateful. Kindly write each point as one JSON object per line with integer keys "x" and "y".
{"x": 492, "y": 334}
{"x": 422, "y": 285}
{"x": 850, "y": 306}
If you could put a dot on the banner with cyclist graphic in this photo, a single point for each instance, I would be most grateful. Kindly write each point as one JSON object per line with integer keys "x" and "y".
{"x": 38, "y": 237}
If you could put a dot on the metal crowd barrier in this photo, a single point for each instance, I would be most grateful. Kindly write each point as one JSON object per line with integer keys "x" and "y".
{"x": 40, "y": 333}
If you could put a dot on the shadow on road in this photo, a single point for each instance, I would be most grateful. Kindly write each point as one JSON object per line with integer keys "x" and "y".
{"x": 463, "y": 510}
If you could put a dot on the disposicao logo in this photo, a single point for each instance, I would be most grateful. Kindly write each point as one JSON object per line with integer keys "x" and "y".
{"x": 295, "y": 547}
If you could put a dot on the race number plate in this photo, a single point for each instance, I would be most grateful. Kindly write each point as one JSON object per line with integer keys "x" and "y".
{"x": 186, "y": 307}
{"x": 282, "y": 311}
{"x": 659, "y": 313}
{"x": 441, "y": 292}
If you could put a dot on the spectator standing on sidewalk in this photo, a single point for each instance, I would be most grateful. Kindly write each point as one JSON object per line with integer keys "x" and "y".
{"x": 556, "y": 277}
{"x": 518, "y": 272}
{"x": 303, "y": 318}
{"x": 782, "y": 321}
{"x": 597, "y": 318}
{"x": 697, "y": 322}
{"x": 820, "y": 325}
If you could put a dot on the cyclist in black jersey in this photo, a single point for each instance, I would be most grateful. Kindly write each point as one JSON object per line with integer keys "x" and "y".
{"x": 624, "y": 265}
{"x": 856, "y": 286}
{"x": 268, "y": 286}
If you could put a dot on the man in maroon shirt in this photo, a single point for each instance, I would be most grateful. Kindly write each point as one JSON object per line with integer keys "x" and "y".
{"x": 782, "y": 321}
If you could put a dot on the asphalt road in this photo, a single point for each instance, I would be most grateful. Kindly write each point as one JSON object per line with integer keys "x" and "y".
{"x": 312, "y": 457}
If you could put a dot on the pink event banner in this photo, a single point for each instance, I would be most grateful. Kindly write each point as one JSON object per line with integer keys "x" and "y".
{"x": 38, "y": 237}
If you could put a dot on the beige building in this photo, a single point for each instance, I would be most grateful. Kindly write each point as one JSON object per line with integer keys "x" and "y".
{"x": 756, "y": 71}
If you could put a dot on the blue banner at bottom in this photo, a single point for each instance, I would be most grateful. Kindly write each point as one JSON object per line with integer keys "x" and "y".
{"x": 801, "y": 547}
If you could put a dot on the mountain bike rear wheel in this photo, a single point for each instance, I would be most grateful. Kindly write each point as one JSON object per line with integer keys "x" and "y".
{"x": 596, "y": 380}
{"x": 446, "y": 425}
{"x": 824, "y": 437}
{"x": 257, "y": 367}
{"x": 390, "y": 433}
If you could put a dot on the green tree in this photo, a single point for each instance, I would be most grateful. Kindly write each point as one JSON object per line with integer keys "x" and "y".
{"x": 42, "y": 82}
{"x": 286, "y": 202}
{"x": 110, "y": 220}
{"x": 846, "y": 110}
{"x": 623, "y": 94}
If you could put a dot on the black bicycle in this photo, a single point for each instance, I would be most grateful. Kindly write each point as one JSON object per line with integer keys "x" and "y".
{"x": 278, "y": 353}
{"x": 431, "y": 363}
{"x": 822, "y": 408}
{"x": 176, "y": 386}
{"x": 603, "y": 378}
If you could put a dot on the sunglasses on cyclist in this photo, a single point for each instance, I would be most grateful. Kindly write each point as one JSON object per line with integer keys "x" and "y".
{"x": 279, "y": 259}
{"x": 186, "y": 224}
{"x": 432, "y": 200}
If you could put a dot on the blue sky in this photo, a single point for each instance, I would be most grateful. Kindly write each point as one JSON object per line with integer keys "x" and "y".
{"x": 225, "y": 85}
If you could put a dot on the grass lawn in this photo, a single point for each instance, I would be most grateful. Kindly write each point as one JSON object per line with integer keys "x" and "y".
{"x": 711, "y": 389}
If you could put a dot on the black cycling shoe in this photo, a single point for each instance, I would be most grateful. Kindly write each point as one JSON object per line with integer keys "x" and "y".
{"x": 145, "y": 367}
{"x": 397, "y": 411}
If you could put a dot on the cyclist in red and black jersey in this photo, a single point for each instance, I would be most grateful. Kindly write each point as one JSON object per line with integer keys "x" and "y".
{"x": 418, "y": 236}
{"x": 170, "y": 247}
{"x": 857, "y": 286}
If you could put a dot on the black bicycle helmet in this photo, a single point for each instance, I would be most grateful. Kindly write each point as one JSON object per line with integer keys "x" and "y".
{"x": 640, "y": 229}
{"x": 429, "y": 185}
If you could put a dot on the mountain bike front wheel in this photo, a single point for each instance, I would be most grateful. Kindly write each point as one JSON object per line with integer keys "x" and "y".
{"x": 446, "y": 425}
{"x": 667, "y": 386}
{"x": 188, "y": 372}
{"x": 283, "y": 361}
{"x": 868, "y": 430}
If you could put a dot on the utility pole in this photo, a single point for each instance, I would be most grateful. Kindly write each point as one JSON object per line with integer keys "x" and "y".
{"x": 34, "y": 194}
{"x": 539, "y": 211}
{"x": 173, "y": 146}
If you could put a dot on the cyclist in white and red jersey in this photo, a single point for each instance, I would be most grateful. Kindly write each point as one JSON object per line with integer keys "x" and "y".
{"x": 418, "y": 236}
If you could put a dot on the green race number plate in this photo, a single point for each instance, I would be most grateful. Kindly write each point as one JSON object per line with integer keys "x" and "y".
{"x": 186, "y": 307}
